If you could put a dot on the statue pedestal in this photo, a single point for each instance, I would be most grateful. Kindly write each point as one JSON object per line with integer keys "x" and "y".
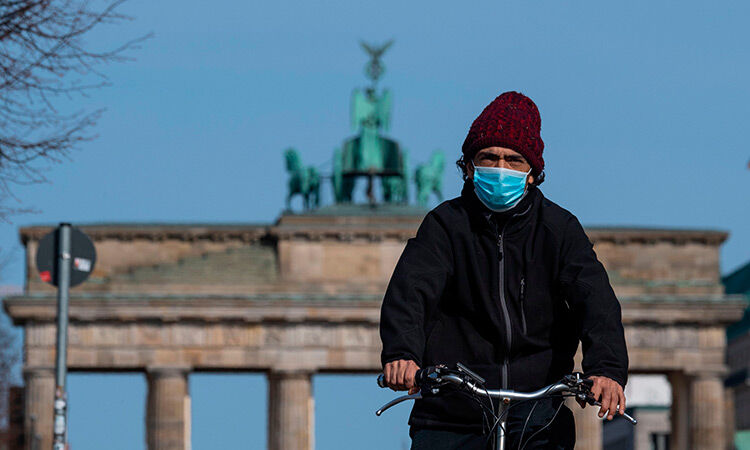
{"x": 345, "y": 246}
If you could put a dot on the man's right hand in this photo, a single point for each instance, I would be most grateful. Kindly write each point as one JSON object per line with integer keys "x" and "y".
{"x": 399, "y": 375}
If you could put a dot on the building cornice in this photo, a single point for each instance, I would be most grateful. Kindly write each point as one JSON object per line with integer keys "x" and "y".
{"x": 157, "y": 232}
{"x": 345, "y": 229}
{"x": 624, "y": 235}
{"x": 298, "y": 307}
{"x": 203, "y": 308}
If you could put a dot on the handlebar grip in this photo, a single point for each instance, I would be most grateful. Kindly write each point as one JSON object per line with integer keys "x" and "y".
{"x": 418, "y": 377}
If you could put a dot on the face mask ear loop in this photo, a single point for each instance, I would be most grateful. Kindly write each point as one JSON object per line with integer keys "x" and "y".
{"x": 526, "y": 187}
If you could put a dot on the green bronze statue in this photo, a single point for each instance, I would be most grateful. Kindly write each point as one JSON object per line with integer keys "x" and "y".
{"x": 369, "y": 153}
{"x": 302, "y": 180}
{"x": 429, "y": 178}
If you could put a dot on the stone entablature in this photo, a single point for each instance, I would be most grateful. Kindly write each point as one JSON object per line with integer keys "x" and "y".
{"x": 266, "y": 332}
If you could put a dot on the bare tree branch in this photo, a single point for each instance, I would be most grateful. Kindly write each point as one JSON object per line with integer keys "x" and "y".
{"x": 43, "y": 57}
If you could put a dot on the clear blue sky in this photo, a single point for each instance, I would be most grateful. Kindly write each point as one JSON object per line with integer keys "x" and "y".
{"x": 644, "y": 107}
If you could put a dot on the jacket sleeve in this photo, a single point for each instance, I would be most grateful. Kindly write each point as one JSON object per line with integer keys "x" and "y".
{"x": 594, "y": 306}
{"x": 414, "y": 290}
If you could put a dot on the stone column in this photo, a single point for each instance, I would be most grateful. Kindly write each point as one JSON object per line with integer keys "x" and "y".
{"x": 730, "y": 423}
{"x": 168, "y": 409}
{"x": 588, "y": 426}
{"x": 290, "y": 411}
{"x": 39, "y": 396}
{"x": 680, "y": 411}
{"x": 707, "y": 427}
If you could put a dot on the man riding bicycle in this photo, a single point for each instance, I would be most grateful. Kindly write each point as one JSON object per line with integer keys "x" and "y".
{"x": 506, "y": 282}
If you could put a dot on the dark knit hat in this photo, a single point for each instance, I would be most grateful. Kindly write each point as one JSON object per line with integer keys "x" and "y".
{"x": 512, "y": 121}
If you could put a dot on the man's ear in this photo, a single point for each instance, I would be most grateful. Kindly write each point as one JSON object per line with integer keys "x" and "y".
{"x": 529, "y": 180}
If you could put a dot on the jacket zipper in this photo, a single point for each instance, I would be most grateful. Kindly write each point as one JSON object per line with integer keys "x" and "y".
{"x": 501, "y": 278}
{"x": 523, "y": 297}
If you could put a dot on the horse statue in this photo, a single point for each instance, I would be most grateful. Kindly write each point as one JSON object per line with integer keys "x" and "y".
{"x": 429, "y": 178}
{"x": 395, "y": 187}
{"x": 302, "y": 180}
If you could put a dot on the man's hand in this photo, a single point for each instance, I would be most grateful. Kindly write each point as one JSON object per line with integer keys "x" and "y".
{"x": 609, "y": 393}
{"x": 399, "y": 375}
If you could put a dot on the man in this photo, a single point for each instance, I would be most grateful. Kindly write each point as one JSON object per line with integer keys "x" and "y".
{"x": 506, "y": 282}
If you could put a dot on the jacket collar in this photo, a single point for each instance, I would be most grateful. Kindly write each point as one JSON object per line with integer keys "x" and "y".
{"x": 485, "y": 217}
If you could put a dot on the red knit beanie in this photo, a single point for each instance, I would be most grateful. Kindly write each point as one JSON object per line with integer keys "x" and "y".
{"x": 512, "y": 121}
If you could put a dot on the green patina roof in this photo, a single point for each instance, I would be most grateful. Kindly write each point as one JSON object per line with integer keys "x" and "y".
{"x": 742, "y": 440}
{"x": 738, "y": 282}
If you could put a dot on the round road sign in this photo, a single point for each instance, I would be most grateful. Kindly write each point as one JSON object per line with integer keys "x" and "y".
{"x": 82, "y": 257}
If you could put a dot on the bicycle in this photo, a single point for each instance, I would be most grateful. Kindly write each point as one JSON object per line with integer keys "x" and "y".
{"x": 431, "y": 380}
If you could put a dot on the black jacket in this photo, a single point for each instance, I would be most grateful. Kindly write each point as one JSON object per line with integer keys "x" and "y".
{"x": 446, "y": 302}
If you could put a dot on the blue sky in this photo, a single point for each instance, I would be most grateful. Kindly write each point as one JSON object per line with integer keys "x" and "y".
{"x": 644, "y": 107}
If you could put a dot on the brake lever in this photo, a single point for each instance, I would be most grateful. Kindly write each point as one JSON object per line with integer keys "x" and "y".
{"x": 588, "y": 398}
{"x": 398, "y": 400}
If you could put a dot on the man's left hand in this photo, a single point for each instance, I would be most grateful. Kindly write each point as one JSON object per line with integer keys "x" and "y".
{"x": 610, "y": 394}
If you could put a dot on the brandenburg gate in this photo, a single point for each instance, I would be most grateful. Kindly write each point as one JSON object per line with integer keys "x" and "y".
{"x": 302, "y": 295}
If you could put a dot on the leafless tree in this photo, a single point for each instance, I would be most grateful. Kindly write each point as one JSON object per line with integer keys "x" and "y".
{"x": 45, "y": 61}
{"x": 44, "y": 58}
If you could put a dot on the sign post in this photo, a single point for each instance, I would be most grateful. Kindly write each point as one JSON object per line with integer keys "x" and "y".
{"x": 65, "y": 258}
{"x": 61, "y": 363}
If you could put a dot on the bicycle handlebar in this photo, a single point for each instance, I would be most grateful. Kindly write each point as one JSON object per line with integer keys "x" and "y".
{"x": 493, "y": 393}
{"x": 430, "y": 379}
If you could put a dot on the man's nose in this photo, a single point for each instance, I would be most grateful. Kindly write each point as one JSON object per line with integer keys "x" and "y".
{"x": 502, "y": 163}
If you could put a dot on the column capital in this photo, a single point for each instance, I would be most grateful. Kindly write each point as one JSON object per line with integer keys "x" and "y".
{"x": 39, "y": 371}
{"x": 167, "y": 371}
{"x": 707, "y": 372}
{"x": 290, "y": 373}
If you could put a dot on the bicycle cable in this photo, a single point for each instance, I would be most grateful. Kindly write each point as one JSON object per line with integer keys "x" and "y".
{"x": 484, "y": 407}
{"x": 505, "y": 412}
{"x": 511, "y": 406}
{"x": 559, "y": 407}
{"x": 526, "y": 422}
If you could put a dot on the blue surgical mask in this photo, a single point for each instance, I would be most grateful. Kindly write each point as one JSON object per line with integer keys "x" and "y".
{"x": 498, "y": 188}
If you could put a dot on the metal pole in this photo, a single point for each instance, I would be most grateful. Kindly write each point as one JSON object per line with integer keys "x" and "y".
{"x": 63, "y": 285}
